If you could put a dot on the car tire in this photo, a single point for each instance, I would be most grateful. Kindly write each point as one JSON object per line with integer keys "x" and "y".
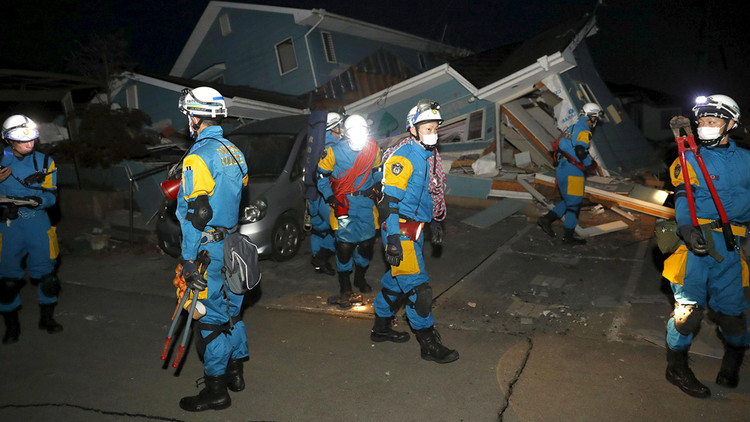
{"x": 286, "y": 238}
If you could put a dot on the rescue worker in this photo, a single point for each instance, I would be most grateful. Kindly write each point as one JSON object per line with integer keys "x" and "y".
{"x": 349, "y": 173}
{"x": 214, "y": 173}
{"x": 28, "y": 186}
{"x": 574, "y": 162}
{"x": 407, "y": 175}
{"x": 705, "y": 276}
{"x": 321, "y": 238}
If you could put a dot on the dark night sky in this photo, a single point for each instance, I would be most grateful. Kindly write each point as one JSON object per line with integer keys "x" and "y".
{"x": 699, "y": 47}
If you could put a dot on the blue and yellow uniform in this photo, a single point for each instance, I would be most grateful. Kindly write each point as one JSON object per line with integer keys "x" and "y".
{"x": 713, "y": 281}
{"x": 210, "y": 172}
{"x": 320, "y": 214}
{"x": 406, "y": 178}
{"x": 360, "y": 226}
{"x": 570, "y": 178}
{"x": 29, "y": 232}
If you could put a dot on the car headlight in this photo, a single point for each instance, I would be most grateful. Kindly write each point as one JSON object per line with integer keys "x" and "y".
{"x": 255, "y": 211}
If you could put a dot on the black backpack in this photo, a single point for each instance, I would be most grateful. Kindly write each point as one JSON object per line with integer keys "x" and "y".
{"x": 241, "y": 272}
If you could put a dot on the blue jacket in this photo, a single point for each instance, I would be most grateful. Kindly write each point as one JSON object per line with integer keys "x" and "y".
{"x": 406, "y": 178}
{"x": 210, "y": 170}
{"x": 22, "y": 168}
{"x": 729, "y": 168}
{"x": 577, "y": 134}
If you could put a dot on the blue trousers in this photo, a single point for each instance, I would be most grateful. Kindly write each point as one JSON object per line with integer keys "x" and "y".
{"x": 321, "y": 236}
{"x": 404, "y": 283}
{"x": 225, "y": 346}
{"x": 571, "y": 182}
{"x": 717, "y": 285}
{"x": 34, "y": 238}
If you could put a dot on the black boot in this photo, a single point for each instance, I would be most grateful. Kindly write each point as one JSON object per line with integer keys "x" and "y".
{"x": 359, "y": 279}
{"x": 680, "y": 374}
{"x": 12, "y": 327}
{"x": 346, "y": 297}
{"x": 213, "y": 396}
{"x": 729, "y": 374}
{"x": 545, "y": 223}
{"x": 432, "y": 348}
{"x": 382, "y": 331}
{"x": 321, "y": 261}
{"x": 570, "y": 238}
{"x": 234, "y": 375}
{"x": 46, "y": 321}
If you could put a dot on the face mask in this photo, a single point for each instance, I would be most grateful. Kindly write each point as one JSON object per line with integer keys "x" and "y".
{"x": 707, "y": 133}
{"x": 429, "y": 140}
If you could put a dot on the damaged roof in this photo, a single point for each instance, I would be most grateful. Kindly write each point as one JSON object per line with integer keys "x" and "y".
{"x": 487, "y": 67}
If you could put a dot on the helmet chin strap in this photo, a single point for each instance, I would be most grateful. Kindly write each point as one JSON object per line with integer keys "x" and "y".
{"x": 194, "y": 127}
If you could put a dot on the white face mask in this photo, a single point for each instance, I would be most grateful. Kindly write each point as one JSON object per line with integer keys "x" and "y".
{"x": 429, "y": 140}
{"x": 708, "y": 133}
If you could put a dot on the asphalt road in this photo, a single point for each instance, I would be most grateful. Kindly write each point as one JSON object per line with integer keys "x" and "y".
{"x": 545, "y": 333}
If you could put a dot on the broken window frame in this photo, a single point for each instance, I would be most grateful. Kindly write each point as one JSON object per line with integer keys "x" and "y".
{"x": 288, "y": 46}
{"x": 589, "y": 97}
{"x": 464, "y": 124}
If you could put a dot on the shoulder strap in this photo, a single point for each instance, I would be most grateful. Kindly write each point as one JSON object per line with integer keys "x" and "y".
{"x": 230, "y": 153}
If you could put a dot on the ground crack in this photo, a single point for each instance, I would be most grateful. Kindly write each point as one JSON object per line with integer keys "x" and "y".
{"x": 516, "y": 376}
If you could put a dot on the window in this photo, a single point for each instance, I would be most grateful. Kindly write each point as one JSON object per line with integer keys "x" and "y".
{"x": 466, "y": 128}
{"x": 131, "y": 96}
{"x": 588, "y": 96}
{"x": 285, "y": 56}
{"x": 226, "y": 28}
{"x": 328, "y": 47}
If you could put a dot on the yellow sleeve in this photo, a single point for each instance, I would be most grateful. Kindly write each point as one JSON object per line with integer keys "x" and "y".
{"x": 397, "y": 171}
{"x": 584, "y": 136}
{"x": 328, "y": 161}
{"x": 675, "y": 173}
{"x": 49, "y": 182}
{"x": 196, "y": 177}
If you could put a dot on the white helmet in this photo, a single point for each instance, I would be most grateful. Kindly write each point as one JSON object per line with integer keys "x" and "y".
{"x": 719, "y": 106}
{"x": 425, "y": 111}
{"x": 20, "y": 128}
{"x": 333, "y": 121}
{"x": 203, "y": 102}
{"x": 356, "y": 131}
{"x": 591, "y": 110}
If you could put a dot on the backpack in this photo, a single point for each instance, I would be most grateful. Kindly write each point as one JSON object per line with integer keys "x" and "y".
{"x": 241, "y": 272}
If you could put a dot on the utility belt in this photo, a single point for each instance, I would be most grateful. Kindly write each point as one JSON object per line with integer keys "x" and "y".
{"x": 216, "y": 235}
{"x": 409, "y": 228}
{"x": 12, "y": 212}
{"x": 715, "y": 225}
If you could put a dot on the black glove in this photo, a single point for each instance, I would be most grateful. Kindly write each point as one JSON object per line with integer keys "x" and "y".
{"x": 333, "y": 201}
{"x": 436, "y": 228}
{"x": 36, "y": 199}
{"x": 693, "y": 238}
{"x": 393, "y": 252}
{"x": 193, "y": 278}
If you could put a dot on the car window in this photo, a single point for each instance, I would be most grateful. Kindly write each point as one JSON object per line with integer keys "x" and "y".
{"x": 299, "y": 162}
{"x": 266, "y": 153}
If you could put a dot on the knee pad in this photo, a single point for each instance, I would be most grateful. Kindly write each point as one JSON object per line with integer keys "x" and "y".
{"x": 344, "y": 251}
{"x": 202, "y": 212}
{"x": 731, "y": 325}
{"x": 366, "y": 248}
{"x": 49, "y": 284}
{"x": 9, "y": 288}
{"x": 202, "y": 342}
{"x": 687, "y": 318}
{"x": 423, "y": 303}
